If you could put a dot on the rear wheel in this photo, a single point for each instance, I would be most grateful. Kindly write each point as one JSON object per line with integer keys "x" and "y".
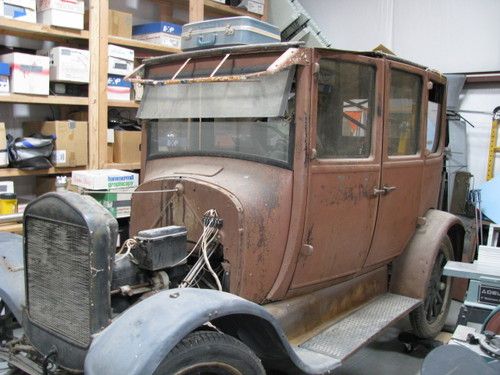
{"x": 429, "y": 318}
{"x": 210, "y": 353}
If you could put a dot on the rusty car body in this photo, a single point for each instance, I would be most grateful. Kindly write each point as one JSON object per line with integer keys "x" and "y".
{"x": 323, "y": 168}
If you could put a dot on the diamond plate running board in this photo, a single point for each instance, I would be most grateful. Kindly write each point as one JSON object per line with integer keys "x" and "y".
{"x": 352, "y": 332}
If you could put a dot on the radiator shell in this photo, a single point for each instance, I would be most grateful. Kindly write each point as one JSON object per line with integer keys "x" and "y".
{"x": 69, "y": 246}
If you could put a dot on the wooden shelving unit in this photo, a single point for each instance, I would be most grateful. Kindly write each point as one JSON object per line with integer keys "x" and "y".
{"x": 140, "y": 45}
{"x": 125, "y": 166}
{"x": 40, "y": 32}
{"x": 14, "y": 172}
{"x": 123, "y": 104}
{"x": 40, "y": 99}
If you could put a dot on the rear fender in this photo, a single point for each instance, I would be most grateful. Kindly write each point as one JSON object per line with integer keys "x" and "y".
{"x": 139, "y": 339}
{"x": 12, "y": 273}
{"x": 412, "y": 270}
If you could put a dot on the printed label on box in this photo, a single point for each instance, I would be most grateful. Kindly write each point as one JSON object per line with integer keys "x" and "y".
{"x": 58, "y": 156}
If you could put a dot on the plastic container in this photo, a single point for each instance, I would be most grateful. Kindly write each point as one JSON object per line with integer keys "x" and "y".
{"x": 8, "y": 203}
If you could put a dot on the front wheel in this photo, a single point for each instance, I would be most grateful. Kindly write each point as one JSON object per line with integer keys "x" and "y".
{"x": 210, "y": 353}
{"x": 429, "y": 318}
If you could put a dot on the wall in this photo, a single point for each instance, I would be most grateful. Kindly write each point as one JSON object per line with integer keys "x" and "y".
{"x": 448, "y": 35}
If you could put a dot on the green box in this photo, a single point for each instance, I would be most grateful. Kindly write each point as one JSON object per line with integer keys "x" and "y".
{"x": 118, "y": 204}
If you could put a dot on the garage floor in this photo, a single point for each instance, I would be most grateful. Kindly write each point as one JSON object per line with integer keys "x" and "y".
{"x": 385, "y": 355}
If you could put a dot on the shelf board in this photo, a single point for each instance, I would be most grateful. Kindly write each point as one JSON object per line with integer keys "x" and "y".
{"x": 126, "y": 166}
{"x": 123, "y": 104}
{"x": 44, "y": 99}
{"x": 215, "y": 8}
{"x": 139, "y": 44}
{"x": 12, "y": 228}
{"x": 39, "y": 31}
{"x": 15, "y": 172}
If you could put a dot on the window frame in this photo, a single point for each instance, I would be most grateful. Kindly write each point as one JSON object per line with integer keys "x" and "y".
{"x": 376, "y": 128}
{"x": 436, "y": 79}
{"x": 422, "y": 121}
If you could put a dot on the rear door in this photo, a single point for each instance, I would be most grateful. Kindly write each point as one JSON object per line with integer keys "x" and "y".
{"x": 346, "y": 132}
{"x": 402, "y": 162}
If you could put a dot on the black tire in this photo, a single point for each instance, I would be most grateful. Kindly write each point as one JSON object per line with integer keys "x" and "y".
{"x": 7, "y": 323}
{"x": 207, "y": 353}
{"x": 429, "y": 318}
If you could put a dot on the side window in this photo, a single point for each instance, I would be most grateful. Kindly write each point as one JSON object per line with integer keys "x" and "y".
{"x": 346, "y": 94}
{"x": 404, "y": 112}
{"x": 434, "y": 113}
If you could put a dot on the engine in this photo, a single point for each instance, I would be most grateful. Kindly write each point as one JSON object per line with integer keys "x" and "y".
{"x": 76, "y": 282}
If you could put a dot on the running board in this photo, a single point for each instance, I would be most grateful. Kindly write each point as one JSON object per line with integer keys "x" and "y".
{"x": 337, "y": 342}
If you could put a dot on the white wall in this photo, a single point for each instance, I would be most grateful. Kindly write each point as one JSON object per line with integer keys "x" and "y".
{"x": 448, "y": 35}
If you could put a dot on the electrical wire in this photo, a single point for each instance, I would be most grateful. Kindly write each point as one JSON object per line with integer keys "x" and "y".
{"x": 129, "y": 244}
{"x": 206, "y": 242}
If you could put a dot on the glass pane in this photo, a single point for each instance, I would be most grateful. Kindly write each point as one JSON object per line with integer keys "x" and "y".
{"x": 436, "y": 96}
{"x": 404, "y": 113}
{"x": 346, "y": 93}
{"x": 265, "y": 139}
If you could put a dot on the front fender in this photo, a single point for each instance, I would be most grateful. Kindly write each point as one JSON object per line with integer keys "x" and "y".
{"x": 412, "y": 270}
{"x": 12, "y": 273}
{"x": 139, "y": 339}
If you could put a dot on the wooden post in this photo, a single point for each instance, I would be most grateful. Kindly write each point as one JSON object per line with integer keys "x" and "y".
{"x": 98, "y": 100}
{"x": 196, "y": 10}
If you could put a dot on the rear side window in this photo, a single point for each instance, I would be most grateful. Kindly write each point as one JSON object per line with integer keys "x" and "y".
{"x": 434, "y": 115}
{"x": 405, "y": 101}
{"x": 346, "y": 94}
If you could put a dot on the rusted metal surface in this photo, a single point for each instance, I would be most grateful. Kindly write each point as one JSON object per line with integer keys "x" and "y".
{"x": 294, "y": 232}
{"x": 291, "y": 57}
{"x": 256, "y": 220}
{"x": 302, "y": 317}
{"x": 411, "y": 272}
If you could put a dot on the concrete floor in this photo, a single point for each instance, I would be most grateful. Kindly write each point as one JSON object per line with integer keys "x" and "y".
{"x": 385, "y": 355}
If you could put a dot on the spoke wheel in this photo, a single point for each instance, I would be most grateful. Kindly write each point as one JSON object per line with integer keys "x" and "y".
{"x": 210, "y": 353}
{"x": 429, "y": 318}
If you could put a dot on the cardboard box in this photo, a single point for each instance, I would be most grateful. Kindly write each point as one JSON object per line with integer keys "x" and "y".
{"x": 21, "y": 10}
{"x": 110, "y": 139}
{"x": 117, "y": 203}
{"x": 47, "y": 184}
{"x": 71, "y": 145}
{"x": 163, "y": 33}
{"x": 29, "y": 73}
{"x": 68, "y": 64}
{"x": 4, "y": 156}
{"x": 118, "y": 88}
{"x": 127, "y": 146}
{"x": 120, "y": 24}
{"x": 104, "y": 179}
{"x": 79, "y": 116}
{"x": 120, "y": 60}
{"x": 4, "y": 78}
{"x": 63, "y": 13}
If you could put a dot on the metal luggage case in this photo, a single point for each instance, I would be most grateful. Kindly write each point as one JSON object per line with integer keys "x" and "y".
{"x": 227, "y": 32}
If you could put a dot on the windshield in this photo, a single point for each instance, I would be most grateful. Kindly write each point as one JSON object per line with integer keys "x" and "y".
{"x": 252, "y": 120}
{"x": 266, "y": 140}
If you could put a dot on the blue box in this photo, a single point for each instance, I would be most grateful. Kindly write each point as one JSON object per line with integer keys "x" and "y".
{"x": 157, "y": 27}
{"x": 4, "y": 69}
{"x": 118, "y": 81}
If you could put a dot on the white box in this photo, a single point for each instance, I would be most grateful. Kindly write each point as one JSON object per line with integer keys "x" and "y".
{"x": 163, "y": 39}
{"x": 104, "y": 179}
{"x": 29, "y": 73}
{"x": 120, "y": 60}
{"x": 254, "y": 6}
{"x": 6, "y": 186}
{"x": 68, "y": 64}
{"x": 64, "y": 13}
{"x": 21, "y": 10}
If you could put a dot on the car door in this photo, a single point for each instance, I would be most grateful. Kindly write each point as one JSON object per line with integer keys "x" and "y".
{"x": 341, "y": 209}
{"x": 402, "y": 162}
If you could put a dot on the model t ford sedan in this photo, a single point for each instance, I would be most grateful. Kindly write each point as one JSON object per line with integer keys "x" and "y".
{"x": 286, "y": 215}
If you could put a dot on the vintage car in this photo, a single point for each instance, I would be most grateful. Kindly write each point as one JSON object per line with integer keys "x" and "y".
{"x": 287, "y": 213}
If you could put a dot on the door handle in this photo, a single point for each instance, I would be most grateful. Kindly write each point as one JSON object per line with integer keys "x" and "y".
{"x": 377, "y": 192}
{"x": 385, "y": 190}
{"x": 388, "y": 189}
